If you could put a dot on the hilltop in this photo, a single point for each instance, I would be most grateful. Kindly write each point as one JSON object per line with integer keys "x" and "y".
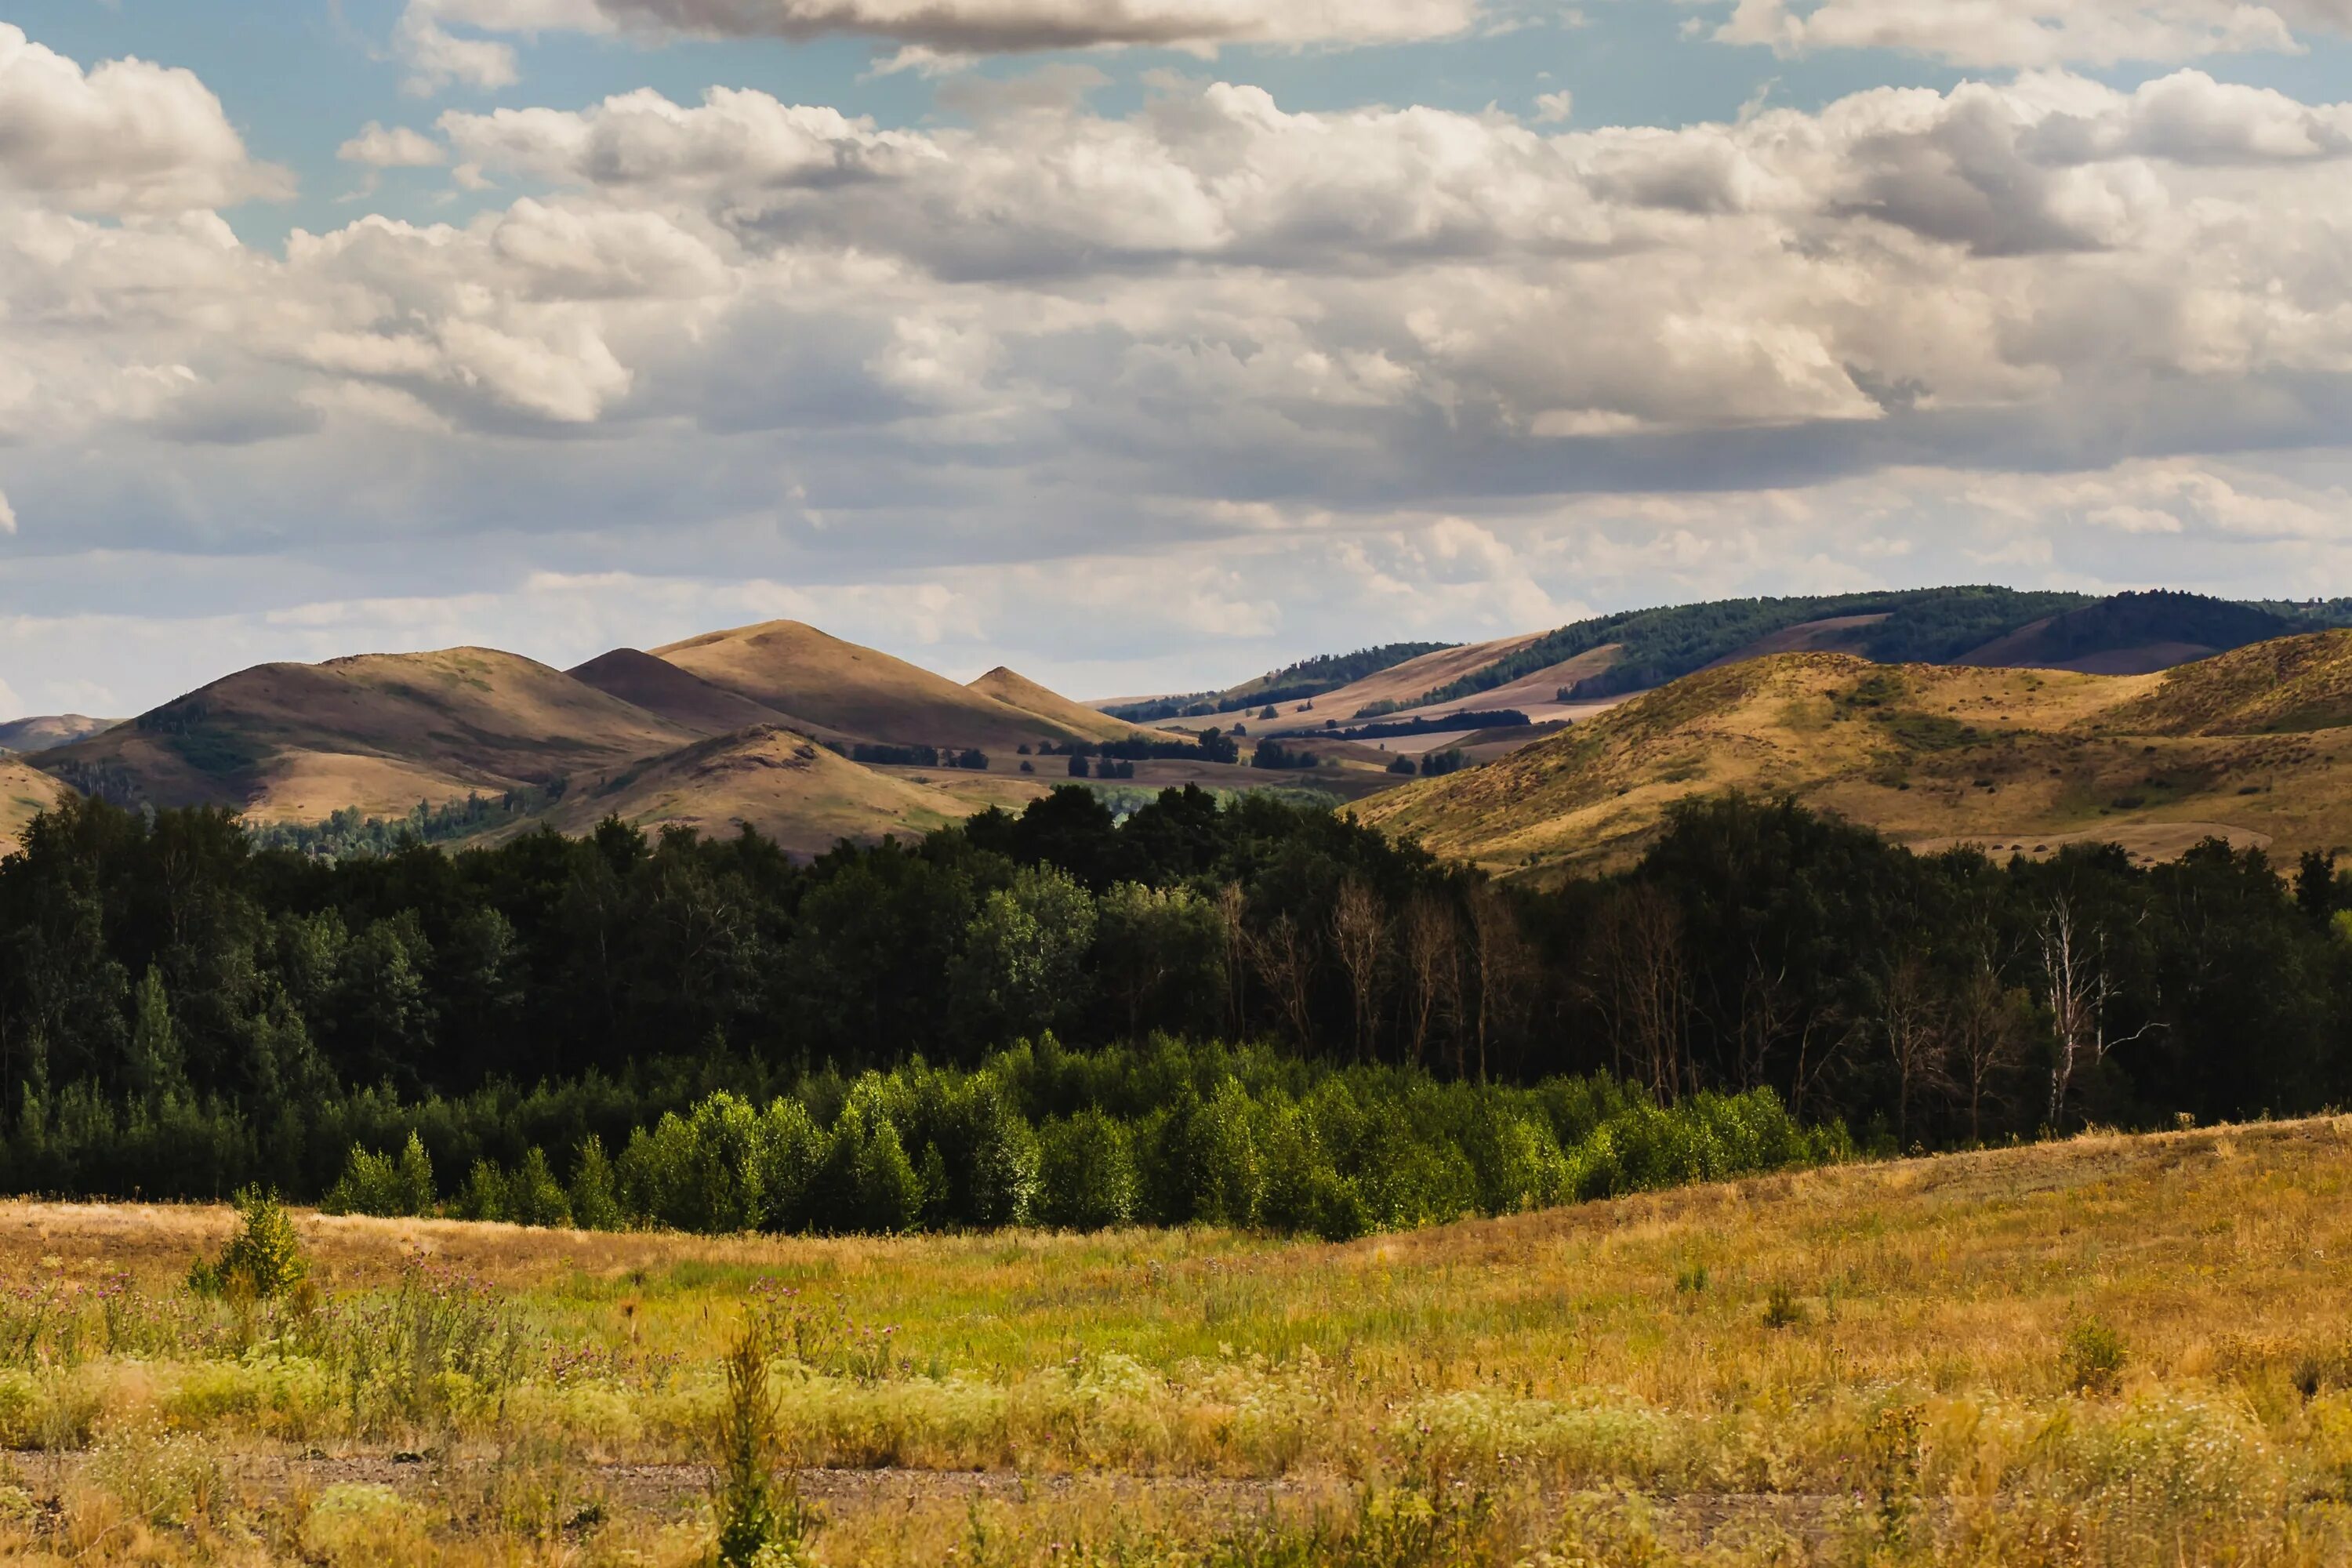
{"x": 834, "y": 686}
{"x": 2243, "y": 745}
{"x": 1018, "y": 692}
{"x": 50, "y": 731}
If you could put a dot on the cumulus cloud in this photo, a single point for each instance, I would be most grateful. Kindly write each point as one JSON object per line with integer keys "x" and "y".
{"x": 128, "y": 137}
{"x": 2033, "y": 33}
{"x": 396, "y": 147}
{"x": 438, "y": 58}
{"x": 7, "y": 515}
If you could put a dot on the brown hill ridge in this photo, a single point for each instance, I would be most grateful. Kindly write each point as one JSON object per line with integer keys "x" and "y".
{"x": 295, "y": 743}
{"x": 660, "y": 687}
{"x": 838, "y": 686}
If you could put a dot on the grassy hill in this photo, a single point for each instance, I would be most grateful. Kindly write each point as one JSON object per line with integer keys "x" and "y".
{"x": 659, "y": 686}
{"x": 25, "y": 793}
{"x": 786, "y": 785}
{"x": 1017, "y": 691}
{"x": 381, "y": 732}
{"x": 843, "y": 689}
{"x": 2250, "y": 744}
{"x": 50, "y": 731}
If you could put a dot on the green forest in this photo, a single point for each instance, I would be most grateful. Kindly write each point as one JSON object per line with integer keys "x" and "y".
{"x": 1034, "y": 1017}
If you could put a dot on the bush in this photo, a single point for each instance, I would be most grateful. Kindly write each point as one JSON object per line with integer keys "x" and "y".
{"x": 378, "y": 1185}
{"x": 264, "y": 1258}
{"x": 2093, "y": 1358}
{"x": 594, "y": 1194}
{"x": 1086, "y": 1178}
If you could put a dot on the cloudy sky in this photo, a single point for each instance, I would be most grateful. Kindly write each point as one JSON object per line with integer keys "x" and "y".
{"x": 1142, "y": 344}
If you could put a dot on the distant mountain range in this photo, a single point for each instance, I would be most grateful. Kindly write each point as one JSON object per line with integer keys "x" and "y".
{"x": 812, "y": 739}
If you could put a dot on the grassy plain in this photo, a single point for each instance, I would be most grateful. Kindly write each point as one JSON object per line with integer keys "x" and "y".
{"x": 2111, "y": 1351}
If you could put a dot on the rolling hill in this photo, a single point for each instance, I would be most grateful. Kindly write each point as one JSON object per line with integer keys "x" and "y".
{"x": 48, "y": 732}
{"x": 2250, "y": 744}
{"x": 289, "y": 742}
{"x": 781, "y": 783}
{"x": 834, "y": 686}
{"x": 1573, "y": 671}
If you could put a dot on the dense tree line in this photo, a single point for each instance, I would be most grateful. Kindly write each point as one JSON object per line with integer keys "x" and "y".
{"x": 181, "y": 1010}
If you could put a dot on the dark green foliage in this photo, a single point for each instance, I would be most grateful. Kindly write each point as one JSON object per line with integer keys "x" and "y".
{"x": 717, "y": 1038}
{"x": 1086, "y": 1178}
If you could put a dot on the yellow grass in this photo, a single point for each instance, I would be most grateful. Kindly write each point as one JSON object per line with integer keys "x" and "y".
{"x": 2247, "y": 745}
{"x": 24, "y": 794}
{"x": 1874, "y": 1364}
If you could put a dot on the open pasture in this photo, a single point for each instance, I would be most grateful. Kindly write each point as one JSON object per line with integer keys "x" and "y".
{"x": 2105, "y": 1351}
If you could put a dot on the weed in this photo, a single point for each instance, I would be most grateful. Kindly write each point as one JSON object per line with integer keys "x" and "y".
{"x": 2092, "y": 1357}
{"x": 1781, "y": 1307}
{"x": 761, "y": 1520}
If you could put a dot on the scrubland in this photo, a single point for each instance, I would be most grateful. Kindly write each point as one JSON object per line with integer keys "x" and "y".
{"x": 2107, "y": 1350}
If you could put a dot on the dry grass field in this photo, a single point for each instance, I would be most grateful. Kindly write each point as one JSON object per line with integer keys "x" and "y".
{"x": 2111, "y": 1351}
{"x": 2246, "y": 745}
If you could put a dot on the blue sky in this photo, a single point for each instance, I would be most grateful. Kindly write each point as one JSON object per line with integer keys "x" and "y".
{"x": 1140, "y": 367}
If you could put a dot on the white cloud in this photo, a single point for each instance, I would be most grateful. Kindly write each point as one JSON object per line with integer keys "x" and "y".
{"x": 7, "y": 515}
{"x": 1555, "y": 107}
{"x": 438, "y": 58}
{"x": 128, "y": 137}
{"x": 1218, "y": 369}
{"x": 2032, "y": 33}
{"x": 396, "y": 147}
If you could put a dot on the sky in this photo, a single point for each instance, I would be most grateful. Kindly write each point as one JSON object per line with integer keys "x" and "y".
{"x": 1142, "y": 345}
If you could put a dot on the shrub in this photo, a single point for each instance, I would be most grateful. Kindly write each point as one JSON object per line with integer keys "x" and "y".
{"x": 378, "y": 1185}
{"x": 1086, "y": 1178}
{"x": 533, "y": 1195}
{"x": 264, "y": 1258}
{"x": 596, "y": 1196}
{"x": 866, "y": 1183}
{"x": 2092, "y": 1360}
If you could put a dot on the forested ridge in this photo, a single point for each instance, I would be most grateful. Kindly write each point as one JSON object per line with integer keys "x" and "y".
{"x": 183, "y": 1012}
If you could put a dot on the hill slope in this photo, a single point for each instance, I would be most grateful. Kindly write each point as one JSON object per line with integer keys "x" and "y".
{"x": 24, "y": 794}
{"x": 771, "y": 778}
{"x": 2248, "y": 743}
{"x": 380, "y": 732}
{"x": 660, "y": 687}
{"x": 820, "y": 680}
